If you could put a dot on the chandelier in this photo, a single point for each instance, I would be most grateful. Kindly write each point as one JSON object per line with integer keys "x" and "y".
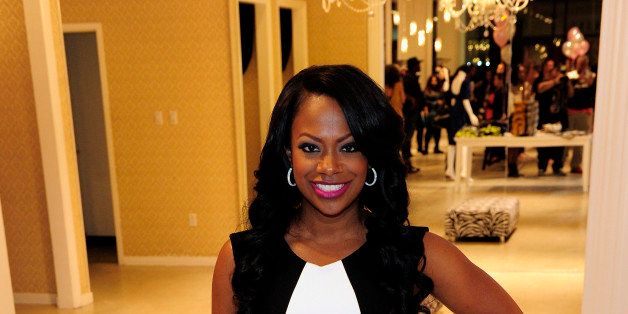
{"x": 471, "y": 14}
{"x": 359, "y": 6}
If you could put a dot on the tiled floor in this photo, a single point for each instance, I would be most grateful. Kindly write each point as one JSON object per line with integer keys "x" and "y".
{"x": 541, "y": 265}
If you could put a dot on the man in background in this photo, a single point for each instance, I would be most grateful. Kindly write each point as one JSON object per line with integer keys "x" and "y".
{"x": 412, "y": 111}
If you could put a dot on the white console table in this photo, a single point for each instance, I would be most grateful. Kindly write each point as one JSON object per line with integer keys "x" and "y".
{"x": 464, "y": 151}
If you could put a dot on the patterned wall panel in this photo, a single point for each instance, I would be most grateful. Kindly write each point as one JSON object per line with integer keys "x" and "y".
{"x": 339, "y": 36}
{"x": 250, "y": 83}
{"x": 21, "y": 174}
{"x": 169, "y": 55}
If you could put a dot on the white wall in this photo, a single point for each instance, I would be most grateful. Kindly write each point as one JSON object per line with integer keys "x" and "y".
{"x": 606, "y": 264}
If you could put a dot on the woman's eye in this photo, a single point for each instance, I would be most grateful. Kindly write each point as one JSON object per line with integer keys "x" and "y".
{"x": 350, "y": 148}
{"x": 308, "y": 148}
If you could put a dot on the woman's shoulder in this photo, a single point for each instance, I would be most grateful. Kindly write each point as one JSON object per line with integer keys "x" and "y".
{"x": 239, "y": 241}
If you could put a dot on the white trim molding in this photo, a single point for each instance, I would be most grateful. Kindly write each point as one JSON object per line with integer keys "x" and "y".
{"x": 376, "y": 47}
{"x": 265, "y": 64}
{"x": 6, "y": 288}
{"x": 171, "y": 260}
{"x": 238, "y": 103}
{"x": 104, "y": 87}
{"x": 35, "y": 298}
{"x": 606, "y": 274}
{"x": 46, "y": 88}
{"x": 299, "y": 32}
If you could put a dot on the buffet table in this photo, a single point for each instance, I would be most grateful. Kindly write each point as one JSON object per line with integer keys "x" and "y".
{"x": 464, "y": 150}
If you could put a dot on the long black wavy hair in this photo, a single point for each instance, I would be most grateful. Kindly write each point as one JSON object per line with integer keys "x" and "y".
{"x": 378, "y": 133}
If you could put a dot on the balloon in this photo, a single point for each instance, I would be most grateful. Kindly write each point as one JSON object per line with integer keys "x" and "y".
{"x": 501, "y": 35}
{"x": 506, "y": 54}
{"x": 568, "y": 49}
{"x": 583, "y": 48}
{"x": 574, "y": 33}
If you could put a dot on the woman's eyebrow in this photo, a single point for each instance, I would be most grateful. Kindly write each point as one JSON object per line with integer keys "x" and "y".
{"x": 342, "y": 138}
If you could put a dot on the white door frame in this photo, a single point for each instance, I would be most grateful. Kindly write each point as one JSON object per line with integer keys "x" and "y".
{"x": 104, "y": 87}
{"x": 7, "y": 301}
{"x": 299, "y": 33}
{"x": 376, "y": 45}
{"x": 264, "y": 52}
{"x": 57, "y": 179}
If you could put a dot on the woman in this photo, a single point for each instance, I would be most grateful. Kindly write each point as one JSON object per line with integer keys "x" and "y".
{"x": 328, "y": 226}
{"x": 580, "y": 105}
{"x": 435, "y": 102}
{"x": 393, "y": 87}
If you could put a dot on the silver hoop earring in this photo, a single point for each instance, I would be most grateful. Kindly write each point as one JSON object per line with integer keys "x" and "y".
{"x": 290, "y": 183}
{"x": 374, "y": 178}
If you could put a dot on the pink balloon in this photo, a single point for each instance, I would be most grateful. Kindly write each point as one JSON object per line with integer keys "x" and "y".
{"x": 573, "y": 33}
{"x": 583, "y": 48}
{"x": 501, "y": 35}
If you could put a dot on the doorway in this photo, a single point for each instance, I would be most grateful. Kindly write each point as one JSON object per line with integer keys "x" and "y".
{"x": 251, "y": 91}
{"x": 293, "y": 37}
{"x": 92, "y": 137}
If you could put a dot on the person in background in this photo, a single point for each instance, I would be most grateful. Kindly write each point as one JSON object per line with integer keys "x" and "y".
{"x": 461, "y": 113}
{"x": 580, "y": 105}
{"x": 495, "y": 114}
{"x": 393, "y": 87}
{"x": 550, "y": 89}
{"x": 434, "y": 99}
{"x": 412, "y": 111}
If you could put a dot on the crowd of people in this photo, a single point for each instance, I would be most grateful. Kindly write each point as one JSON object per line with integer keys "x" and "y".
{"x": 565, "y": 94}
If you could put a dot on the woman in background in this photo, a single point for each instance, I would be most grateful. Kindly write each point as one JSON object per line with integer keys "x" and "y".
{"x": 434, "y": 99}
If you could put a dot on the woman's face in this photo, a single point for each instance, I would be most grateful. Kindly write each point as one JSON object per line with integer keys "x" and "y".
{"x": 328, "y": 168}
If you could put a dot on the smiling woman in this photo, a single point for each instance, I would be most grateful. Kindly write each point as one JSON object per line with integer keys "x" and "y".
{"x": 328, "y": 225}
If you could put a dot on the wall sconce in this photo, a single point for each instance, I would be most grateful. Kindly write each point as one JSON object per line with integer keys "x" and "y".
{"x": 404, "y": 44}
{"x": 421, "y": 37}
{"x": 413, "y": 28}
{"x": 429, "y": 25}
{"x": 438, "y": 44}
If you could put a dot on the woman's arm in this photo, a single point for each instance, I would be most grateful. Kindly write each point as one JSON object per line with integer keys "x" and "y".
{"x": 222, "y": 293}
{"x": 459, "y": 284}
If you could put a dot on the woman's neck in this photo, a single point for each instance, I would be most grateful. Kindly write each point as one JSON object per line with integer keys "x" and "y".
{"x": 313, "y": 225}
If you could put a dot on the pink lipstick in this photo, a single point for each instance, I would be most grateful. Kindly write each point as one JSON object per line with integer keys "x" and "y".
{"x": 327, "y": 190}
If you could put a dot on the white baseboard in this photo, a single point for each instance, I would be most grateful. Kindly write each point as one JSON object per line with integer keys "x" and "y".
{"x": 169, "y": 260}
{"x": 35, "y": 298}
{"x": 48, "y": 298}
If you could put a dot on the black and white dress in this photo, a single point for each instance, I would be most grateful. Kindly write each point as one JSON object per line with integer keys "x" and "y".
{"x": 351, "y": 285}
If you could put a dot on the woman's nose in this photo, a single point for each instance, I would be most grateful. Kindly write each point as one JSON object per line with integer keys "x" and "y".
{"x": 329, "y": 164}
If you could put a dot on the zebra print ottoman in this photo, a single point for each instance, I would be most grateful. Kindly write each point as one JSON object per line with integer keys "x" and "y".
{"x": 483, "y": 217}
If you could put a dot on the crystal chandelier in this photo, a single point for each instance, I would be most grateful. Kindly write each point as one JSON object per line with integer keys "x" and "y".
{"x": 471, "y": 14}
{"x": 359, "y": 6}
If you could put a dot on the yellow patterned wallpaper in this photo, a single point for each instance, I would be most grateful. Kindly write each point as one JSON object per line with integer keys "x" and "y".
{"x": 68, "y": 128}
{"x": 250, "y": 83}
{"x": 21, "y": 173}
{"x": 169, "y": 55}
{"x": 339, "y": 36}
